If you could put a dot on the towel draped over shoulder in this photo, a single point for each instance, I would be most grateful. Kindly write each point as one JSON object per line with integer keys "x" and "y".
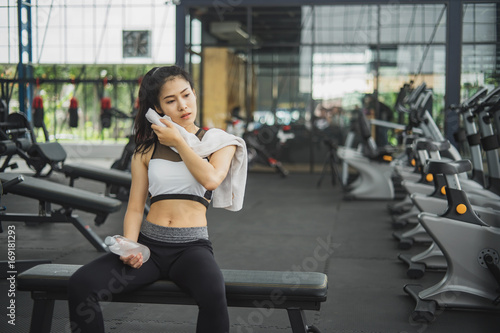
{"x": 231, "y": 191}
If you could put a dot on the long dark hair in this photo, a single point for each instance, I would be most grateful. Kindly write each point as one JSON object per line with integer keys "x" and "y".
{"x": 148, "y": 98}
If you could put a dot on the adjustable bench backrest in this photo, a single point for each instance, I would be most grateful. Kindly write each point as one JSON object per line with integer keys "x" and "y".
{"x": 69, "y": 198}
{"x": 62, "y": 195}
{"x": 294, "y": 291}
{"x": 37, "y": 155}
{"x": 107, "y": 176}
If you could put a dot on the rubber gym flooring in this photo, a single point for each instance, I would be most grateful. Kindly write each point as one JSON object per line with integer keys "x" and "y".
{"x": 286, "y": 224}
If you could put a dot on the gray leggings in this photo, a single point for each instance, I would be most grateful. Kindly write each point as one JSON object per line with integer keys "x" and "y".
{"x": 190, "y": 265}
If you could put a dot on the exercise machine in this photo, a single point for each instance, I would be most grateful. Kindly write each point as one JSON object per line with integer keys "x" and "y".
{"x": 372, "y": 163}
{"x": 471, "y": 249}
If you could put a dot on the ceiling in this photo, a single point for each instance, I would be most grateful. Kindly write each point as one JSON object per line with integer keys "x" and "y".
{"x": 271, "y": 26}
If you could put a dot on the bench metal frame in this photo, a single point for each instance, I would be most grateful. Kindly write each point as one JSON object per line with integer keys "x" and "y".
{"x": 43, "y": 307}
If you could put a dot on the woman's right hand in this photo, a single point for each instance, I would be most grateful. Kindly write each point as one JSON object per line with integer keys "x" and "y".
{"x": 168, "y": 135}
{"x": 134, "y": 261}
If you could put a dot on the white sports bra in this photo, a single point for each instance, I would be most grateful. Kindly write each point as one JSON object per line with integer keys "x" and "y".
{"x": 169, "y": 177}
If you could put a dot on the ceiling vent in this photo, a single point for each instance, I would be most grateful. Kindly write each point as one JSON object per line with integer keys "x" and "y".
{"x": 231, "y": 31}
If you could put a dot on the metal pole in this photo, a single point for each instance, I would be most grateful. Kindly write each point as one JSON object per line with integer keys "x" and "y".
{"x": 249, "y": 73}
{"x": 453, "y": 67}
{"x": 311, "y": 100}
{"x": 180, "y": 35}
{"x": 25, "y": 70}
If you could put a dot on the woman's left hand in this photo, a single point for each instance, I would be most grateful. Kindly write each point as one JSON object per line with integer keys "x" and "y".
{"x": 169, "y": 135}
{"x": 134, "y": 261}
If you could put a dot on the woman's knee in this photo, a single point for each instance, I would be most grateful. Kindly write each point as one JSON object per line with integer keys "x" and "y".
{"x": 213, "y": 294}
{"x": 82, "y": 283}
{"x": 93, "y": 279}
{"x": 79, "y": 279}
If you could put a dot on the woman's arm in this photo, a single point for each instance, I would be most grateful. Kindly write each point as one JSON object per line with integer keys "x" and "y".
{"x": 208, "y": 173}
{"x": 137, "y": 197}
{"x": 135, "y": 209}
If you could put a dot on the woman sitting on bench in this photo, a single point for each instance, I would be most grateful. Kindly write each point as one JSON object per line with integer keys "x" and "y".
{"x": 180, "y": 182}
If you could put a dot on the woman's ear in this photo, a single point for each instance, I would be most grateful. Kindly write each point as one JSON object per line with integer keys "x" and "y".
{"x": 194, "y": 92}
{"x": 158, "y": 110}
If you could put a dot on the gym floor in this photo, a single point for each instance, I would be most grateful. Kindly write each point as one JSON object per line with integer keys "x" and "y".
{"x": 286, "y": 224}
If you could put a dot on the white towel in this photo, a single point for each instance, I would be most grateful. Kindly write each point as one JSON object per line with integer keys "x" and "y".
{"x": 231, "y": 191}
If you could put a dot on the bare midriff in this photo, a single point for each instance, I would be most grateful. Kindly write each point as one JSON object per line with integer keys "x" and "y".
{"x": 178, "y": 213}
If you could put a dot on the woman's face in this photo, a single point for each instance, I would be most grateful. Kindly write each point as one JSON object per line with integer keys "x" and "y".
{"x": 178, "y": 101}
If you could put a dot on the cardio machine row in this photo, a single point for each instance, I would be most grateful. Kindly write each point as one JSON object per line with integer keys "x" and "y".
{"x": 448, "y": 203}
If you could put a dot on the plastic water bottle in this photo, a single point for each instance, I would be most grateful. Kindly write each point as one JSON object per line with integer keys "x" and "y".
{"x": 125, "y": 247}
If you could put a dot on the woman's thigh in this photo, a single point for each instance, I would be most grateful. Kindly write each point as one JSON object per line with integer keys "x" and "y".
{"x": 197, "y": 272}
{"x": 108, "y": 275}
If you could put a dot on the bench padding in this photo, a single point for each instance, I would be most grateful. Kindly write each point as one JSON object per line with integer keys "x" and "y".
{"x": 51, "y": 151}
{"x": 308, "y": 288}
{"x": 62, "y": 195}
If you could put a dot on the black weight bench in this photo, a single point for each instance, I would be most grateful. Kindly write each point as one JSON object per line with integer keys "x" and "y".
{"x": 107, "y": 176}
{"x": 69, "y": 198}
{"x": 113, "y": 178}
{"x": 110, "y": 177}
{"x": 293, "y": 291}
{"x": 53, "y": 154}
